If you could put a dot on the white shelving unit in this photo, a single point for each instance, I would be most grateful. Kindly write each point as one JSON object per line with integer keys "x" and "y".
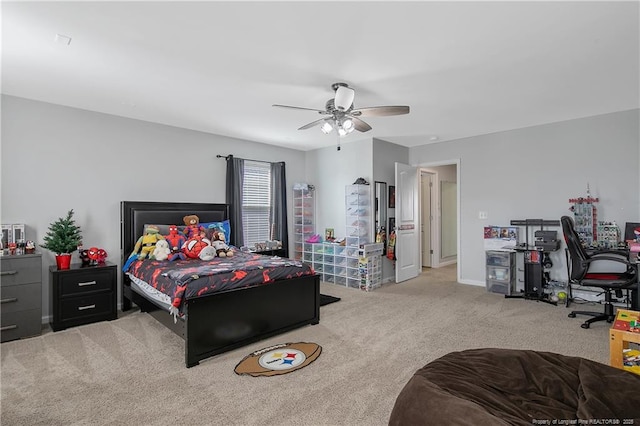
{"x": 303, "y": 217}
{"x": 370, "y": 265}
{"x": 335, "y": 263}
{"x": 357, "y": 263}
{"x": 359, "y": 225}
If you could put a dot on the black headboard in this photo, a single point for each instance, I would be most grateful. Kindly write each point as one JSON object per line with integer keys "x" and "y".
{"x": 135, "y": 214}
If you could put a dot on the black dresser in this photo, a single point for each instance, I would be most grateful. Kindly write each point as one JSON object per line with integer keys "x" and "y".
{"x": 83, "y": 294}
{"x": 20, "y": 296}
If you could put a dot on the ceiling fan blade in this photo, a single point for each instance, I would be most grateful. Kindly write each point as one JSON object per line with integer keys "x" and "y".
{"x": 380, "y": 111}
{"x": 360, "y": 125}
{"x": 295, "y": 107}
{"x": 312, "y": 124}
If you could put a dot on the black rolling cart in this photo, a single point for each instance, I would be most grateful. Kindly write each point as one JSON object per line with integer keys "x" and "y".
{"x": 536, "y": 259}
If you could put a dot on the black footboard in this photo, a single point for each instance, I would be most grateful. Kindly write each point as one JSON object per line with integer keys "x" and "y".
{"x": 225, "y": 321}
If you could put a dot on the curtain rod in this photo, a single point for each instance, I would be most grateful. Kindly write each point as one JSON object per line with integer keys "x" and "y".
{"x": 226, "y": 157}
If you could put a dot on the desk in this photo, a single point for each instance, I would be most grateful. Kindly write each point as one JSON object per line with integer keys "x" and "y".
{"x": 534, "y": 280}
{"x": 635, "y": 293}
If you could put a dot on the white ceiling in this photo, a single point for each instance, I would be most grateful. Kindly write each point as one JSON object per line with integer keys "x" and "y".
{"x": 464, "y": 68}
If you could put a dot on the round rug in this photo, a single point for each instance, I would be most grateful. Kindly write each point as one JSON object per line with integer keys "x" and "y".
{"x": 278, "y": 359}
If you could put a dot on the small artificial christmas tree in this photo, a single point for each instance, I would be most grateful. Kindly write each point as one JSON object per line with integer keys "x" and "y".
{"x": 63, "y": 236}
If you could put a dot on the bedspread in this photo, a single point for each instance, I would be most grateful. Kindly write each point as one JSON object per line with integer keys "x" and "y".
{"x": 187, "y": 279}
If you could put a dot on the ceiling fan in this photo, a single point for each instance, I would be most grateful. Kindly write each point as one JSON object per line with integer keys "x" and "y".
{"x": 340, "y": 113}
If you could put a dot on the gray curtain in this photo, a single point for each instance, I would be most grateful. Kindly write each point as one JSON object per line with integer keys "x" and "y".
{"x": 235, "y": 173}
{"x": 279, "y": 204}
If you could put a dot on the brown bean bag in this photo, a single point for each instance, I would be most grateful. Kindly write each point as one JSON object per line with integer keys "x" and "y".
{"x": 517, "y": 387}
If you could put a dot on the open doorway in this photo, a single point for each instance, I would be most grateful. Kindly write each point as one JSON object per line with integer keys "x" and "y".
{"x": 439, "y": 204}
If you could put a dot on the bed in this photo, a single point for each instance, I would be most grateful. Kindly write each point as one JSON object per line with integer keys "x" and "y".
{"x": 517, "y": 387}
{"x": 213, "y": 323}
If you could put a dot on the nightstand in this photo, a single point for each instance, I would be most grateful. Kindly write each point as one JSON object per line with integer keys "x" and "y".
{"x": 21, "y": 296}
{"x": 83, "y": 294}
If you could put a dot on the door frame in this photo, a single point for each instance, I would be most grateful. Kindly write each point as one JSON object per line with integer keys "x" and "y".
{"x": 435, "y": 260}
{"x": 433, "y": 176}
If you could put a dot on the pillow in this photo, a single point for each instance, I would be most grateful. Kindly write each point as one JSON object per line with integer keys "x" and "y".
{"x": 223, "y": 226}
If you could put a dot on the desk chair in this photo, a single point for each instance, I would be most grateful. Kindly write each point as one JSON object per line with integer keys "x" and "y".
{"x": 580, "y": 264}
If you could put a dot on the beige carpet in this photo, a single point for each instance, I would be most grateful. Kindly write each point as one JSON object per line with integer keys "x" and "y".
{"x": 131, "y": 370}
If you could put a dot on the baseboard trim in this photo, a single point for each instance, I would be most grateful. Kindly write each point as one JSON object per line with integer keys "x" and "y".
{"x": 473, "y": 282}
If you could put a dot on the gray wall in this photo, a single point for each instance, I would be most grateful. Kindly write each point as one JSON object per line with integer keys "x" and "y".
{"x": 56, "y": 158}
{"x": 532, "y": 173}
{"x": 330, "y": 171}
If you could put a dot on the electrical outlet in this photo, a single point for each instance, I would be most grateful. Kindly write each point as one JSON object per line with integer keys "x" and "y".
{"x": 482, "y": 215}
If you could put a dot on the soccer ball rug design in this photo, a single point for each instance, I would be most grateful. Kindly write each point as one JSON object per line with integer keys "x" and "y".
{"x": 278, "y": 359}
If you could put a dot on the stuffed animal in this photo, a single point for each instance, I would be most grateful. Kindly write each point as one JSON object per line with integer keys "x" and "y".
{"x": 218, "y": 241}
{"x": 96, "y": 255}
{"x": 193, "y": 246}
{"x": 176, "y": 240}
{"x": 162, "y": 250}
{"x": 147, "y": 243}
{"x": 207, "y": 253}
{"x": 193, "y": 229}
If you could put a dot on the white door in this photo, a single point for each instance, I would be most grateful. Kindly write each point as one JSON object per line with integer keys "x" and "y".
{"x": 427, "y": 217}
{"x": 408, "y": 263}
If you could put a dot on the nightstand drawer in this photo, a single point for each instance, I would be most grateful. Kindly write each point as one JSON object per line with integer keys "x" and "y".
{"x": 87, "y": 281}
{"x": 20, "y": 324}
{"x": 15, "y": 270}
{"x": 87, "y": 306}
{"x": 21, "y": 297}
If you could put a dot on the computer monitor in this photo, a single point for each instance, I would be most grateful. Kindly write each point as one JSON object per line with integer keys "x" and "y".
{"x": 629, "y": 231}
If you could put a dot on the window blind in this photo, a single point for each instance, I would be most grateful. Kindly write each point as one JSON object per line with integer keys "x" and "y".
{"x": 256, "y": 202}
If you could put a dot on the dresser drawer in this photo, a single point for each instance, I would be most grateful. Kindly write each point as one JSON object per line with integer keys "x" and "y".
{"x": 87, "y": 306}
{"x": 21, "y": 297}
{"x": 14, "y": 325}
{"x": 85, "y": 281}
{"x": 16, "y": 270}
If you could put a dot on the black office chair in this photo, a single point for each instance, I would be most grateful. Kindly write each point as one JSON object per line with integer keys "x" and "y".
{"x": 580, "y": 264}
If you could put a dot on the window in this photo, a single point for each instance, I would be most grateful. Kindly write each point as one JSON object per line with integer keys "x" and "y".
{"x": 256, "y": 202}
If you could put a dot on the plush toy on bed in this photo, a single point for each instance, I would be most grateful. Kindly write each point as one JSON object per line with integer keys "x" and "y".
{"x": 193, "y": 229}
{"x": 162, "y": 250}
{"x": 176, "y": 240}
{"x": 218, "y": 241}
{"x": 147, "y": 243}
{"x": 207, "y": 253}
{"x": 193, "y": 246}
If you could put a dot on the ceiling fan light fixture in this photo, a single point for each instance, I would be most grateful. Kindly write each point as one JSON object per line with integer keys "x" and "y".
{"x": 344, "y": 98}
{"x": 347, "y": 124}
{"x": 326, "y": 127}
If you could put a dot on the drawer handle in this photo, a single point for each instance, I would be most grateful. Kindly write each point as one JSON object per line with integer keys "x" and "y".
{"x": 9, "y": 300}
{"x": 8, "y": 327}
{"x": 87, "y": 283}
{"x": 84, "y": 308}
{"x": 3, "y": 273}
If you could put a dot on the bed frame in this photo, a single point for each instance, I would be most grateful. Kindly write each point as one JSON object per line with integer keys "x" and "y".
{"x": 218, "y": 322}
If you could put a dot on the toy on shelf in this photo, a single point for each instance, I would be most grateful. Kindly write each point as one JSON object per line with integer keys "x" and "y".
{"x": 585, "y": 218}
